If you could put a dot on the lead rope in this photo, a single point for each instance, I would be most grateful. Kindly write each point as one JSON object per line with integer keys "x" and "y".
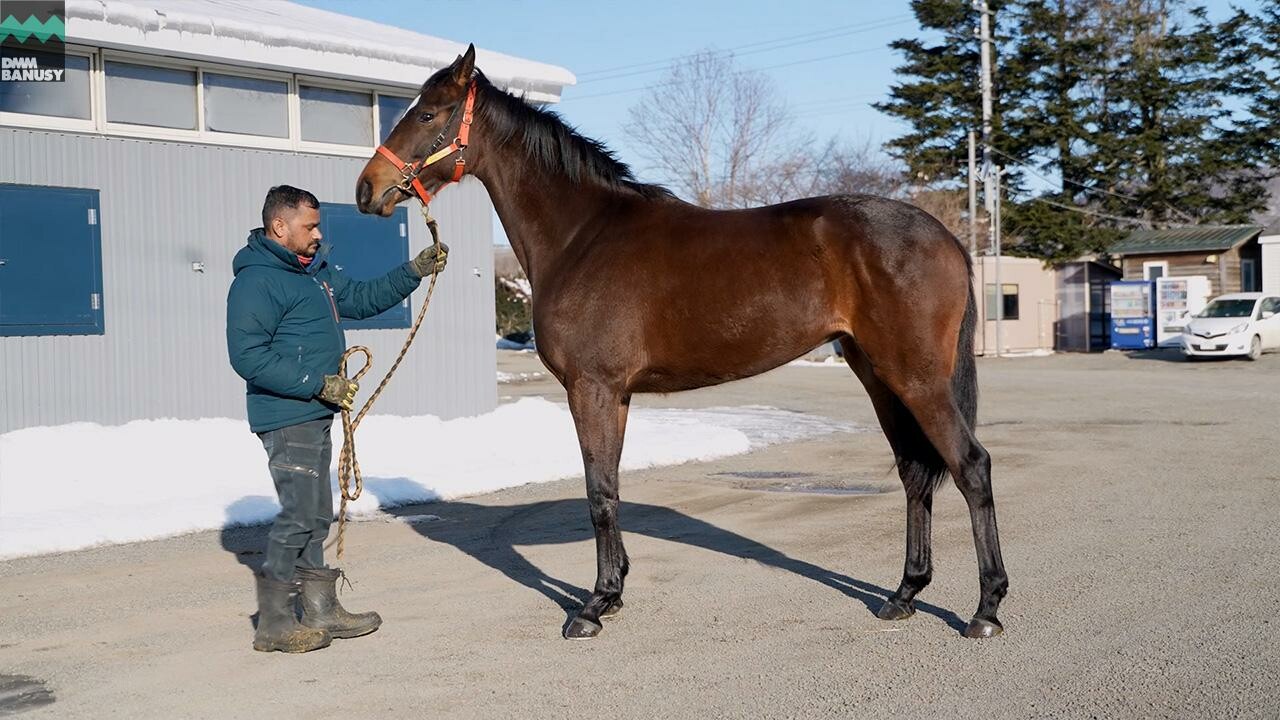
{"x": 348, "y": 468}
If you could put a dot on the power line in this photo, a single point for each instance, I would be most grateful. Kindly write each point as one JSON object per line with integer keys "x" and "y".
{"x": 1082, "y": 211}
{"x": 828, "y": 33}
{"x": 1029, "y": 168}
{"x": 740, "y": 72}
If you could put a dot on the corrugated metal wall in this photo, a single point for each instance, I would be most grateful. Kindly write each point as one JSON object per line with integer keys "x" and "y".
{"x": 165, "y": 205}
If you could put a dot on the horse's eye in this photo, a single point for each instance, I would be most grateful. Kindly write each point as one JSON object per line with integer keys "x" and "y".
{"x": 425, "y": 117}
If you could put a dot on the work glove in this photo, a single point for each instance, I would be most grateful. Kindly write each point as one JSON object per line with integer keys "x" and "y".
{"x": 339, "y": 391}
{"x": 428, "y": 261}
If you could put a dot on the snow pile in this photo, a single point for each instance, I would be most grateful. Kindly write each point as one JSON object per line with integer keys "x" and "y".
{"x": 506, "y": 377}
{"x": 73, "y": 486}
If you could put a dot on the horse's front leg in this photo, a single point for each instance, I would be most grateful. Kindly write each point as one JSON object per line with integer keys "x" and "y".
{"x": 600, "y": 414}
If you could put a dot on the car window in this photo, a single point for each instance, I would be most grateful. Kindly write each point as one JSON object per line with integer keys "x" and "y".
{"x": 1229, "y": 308}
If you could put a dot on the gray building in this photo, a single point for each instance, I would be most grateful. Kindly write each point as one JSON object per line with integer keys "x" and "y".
{"x": 126, "y": 189}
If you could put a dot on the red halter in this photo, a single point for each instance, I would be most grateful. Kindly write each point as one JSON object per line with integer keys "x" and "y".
{"x": 409, "y": 182}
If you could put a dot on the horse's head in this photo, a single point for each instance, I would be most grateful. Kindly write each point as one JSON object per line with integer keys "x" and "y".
{"x": 428, "y": 129}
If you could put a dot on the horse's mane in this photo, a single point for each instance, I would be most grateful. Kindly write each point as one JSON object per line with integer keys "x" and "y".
{"x": 553, "y": 145}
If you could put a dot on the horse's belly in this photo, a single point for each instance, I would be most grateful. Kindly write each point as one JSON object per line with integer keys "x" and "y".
{"x": 716, "y": 357}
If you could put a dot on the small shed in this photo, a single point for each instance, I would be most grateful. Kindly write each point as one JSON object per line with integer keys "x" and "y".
{"x": 1023, "y": 300}
{"x": 1229, "y": 255}
{"x": 1084, "y": 305}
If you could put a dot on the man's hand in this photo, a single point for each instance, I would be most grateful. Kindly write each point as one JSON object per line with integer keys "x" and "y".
{"x": 428, "y": 261}
{"x": 339, "y": 391}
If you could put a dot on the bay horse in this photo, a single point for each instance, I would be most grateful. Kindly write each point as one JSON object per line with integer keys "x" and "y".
{"x": 636, "y": 291}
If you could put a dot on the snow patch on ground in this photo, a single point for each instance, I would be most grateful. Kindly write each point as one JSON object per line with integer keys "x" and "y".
{"x": 74, "y": 486}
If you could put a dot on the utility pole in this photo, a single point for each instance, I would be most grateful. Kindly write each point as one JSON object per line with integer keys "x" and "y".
{"x": 973, "y": 198}
{"x": 990, "y": 177}
{"x": 995, "y": 220}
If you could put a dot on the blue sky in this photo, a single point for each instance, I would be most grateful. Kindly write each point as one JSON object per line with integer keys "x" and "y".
{"x": 829, "y": 75}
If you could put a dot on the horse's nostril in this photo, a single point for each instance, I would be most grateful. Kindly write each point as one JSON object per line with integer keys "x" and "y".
{"x": 364, "y": 192}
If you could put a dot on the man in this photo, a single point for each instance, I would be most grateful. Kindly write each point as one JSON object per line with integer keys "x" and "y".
{"x": 285, "y": 340}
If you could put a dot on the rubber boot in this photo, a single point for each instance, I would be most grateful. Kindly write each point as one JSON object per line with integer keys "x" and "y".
{"x": 278, "y": 628}
{"x": 321, "y": 609}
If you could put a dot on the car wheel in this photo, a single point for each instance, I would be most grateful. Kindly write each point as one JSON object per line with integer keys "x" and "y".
{"x": 1255, "y": 348}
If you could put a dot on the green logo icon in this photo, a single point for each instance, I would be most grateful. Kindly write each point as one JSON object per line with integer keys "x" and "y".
{"x": 11, "y": 27}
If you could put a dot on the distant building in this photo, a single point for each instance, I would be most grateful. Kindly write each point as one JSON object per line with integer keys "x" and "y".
{"x": 1229, "y": 255}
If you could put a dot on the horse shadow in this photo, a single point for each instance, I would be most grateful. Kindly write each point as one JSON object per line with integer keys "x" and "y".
{"x": 491, "y": 534}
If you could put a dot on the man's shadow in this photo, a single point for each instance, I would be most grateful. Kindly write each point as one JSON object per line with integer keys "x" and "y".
{"x": 247, "y": 543}
{"x": 491, "y": 534}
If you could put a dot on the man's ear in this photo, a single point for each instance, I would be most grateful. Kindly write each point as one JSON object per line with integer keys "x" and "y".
{"x": 279, "y": 228}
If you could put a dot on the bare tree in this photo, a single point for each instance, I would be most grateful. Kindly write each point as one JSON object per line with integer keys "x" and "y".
{"x": 857, "y": 169}
{"x": 721, "y": 137}
{"x": 718, "y": 135}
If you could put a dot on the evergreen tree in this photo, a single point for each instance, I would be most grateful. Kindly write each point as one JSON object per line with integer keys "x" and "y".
{"x": 940, "y": 97}
{"x": 1251, "y": 68}
{"x": 1123, "y": 108}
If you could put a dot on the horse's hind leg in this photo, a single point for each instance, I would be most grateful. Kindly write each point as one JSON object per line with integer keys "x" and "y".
{"x": 919, "y": 467}
{"x": 934, "y": 408}
{"x": 600, "y": 415}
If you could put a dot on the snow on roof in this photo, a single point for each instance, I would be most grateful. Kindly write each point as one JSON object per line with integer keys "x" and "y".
{"x": 281, "y": 35}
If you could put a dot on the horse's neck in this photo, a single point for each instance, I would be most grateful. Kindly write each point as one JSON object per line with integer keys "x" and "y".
{"x": 539, "y": 211}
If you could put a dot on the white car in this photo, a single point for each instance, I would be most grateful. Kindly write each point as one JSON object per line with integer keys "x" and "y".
{"x": 1231, "y": 325}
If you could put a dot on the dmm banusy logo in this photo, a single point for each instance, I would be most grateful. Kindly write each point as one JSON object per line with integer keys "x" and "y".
{"x": 33, "y": 34}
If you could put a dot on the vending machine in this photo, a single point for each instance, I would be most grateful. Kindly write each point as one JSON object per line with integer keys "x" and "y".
{"x": 1177, "y": 299}
{"x": 1132, "y": 314}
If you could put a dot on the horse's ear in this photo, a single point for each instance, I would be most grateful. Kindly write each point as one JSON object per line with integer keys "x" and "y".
{"x": 464, "y": 66}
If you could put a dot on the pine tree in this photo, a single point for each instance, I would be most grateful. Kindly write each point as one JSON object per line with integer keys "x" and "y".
{"x": 1250, "y": 64}
{"x": 1123, "y": 108}
{"x": 940, "y": 97}
{"x": 1053, "y": 47}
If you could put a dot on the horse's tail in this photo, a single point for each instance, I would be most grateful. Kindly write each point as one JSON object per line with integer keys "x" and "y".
{"x": 964, "y": 379}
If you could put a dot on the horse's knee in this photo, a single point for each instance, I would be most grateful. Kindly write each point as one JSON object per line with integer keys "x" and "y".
{"x": 973, "y": 477}
{"x": 604, "y": 509}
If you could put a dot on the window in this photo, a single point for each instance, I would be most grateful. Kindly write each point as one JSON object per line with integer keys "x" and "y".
{"x": 50, "y": 261}
{"x": 1155, "y": 269}
{"x": 366, "y": 247}
{"x": 390, "y": 110}
{"x": 338, "y": 117}
{"x": 145, "y": 95}
{"x": 246, "y": 106}
{"x": 1248, "y": 275}
{"x": 67, "y": 99}
{"x": 1009, "y": 302}
{"x": 155, "y": 96}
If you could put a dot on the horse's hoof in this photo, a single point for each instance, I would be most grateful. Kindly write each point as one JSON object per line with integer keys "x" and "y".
{"x": 895, "y": 610}
{"x": 979, "y": 628}
{"x": 582, "y": 629}
{"x": 613, "y": 610}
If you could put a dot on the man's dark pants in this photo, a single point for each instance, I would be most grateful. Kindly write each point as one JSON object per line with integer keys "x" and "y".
{"x": 298, "y": 457}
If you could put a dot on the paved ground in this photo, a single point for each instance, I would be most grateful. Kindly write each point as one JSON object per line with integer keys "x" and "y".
{"x": 1137, "y": 500}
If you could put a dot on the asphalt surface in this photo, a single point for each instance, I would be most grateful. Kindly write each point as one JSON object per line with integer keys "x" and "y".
{"x": 1137, "y": 502}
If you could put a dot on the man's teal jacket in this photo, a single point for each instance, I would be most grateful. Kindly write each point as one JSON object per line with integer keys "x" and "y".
{"x": 283, "y": 330}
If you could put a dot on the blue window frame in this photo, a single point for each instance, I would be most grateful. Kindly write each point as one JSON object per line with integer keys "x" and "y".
{"x": 50, "y": 261}
{"x": 365, "y": 247}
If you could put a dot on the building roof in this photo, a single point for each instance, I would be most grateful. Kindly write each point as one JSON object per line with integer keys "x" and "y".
{"x": 1187, "y": 239}
{"x": 285, "y": 36}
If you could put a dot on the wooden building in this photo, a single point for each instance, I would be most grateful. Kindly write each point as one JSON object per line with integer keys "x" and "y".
{"x": 1229, "y": 255}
